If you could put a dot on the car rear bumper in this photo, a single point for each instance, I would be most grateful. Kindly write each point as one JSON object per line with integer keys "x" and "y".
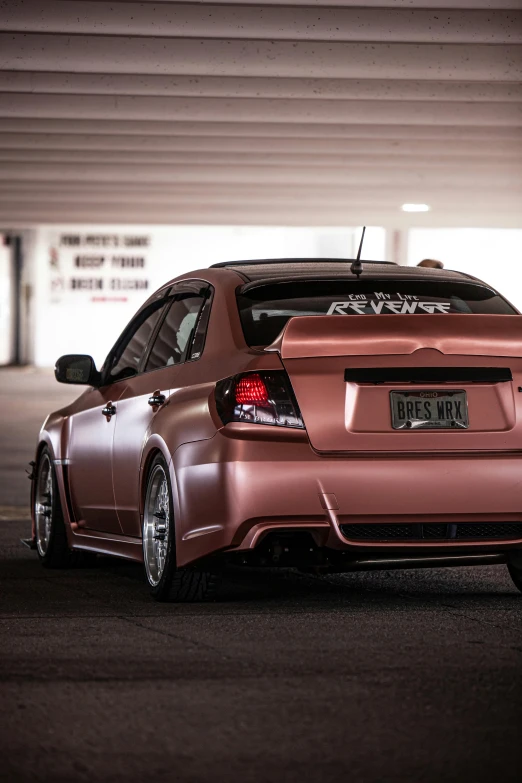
{"x": 248, "y": 480}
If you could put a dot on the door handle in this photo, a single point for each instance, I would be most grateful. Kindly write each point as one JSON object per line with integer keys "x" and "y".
{"x": 109, "y": 410}
{"x": 156, "y": 399}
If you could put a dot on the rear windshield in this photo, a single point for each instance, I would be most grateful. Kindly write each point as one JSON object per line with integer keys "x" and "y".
{"x": 264, "y": 310}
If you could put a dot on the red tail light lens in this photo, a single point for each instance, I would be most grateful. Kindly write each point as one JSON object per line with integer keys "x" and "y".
{"x": 251, "y": 390}
{"x": 258, "y": 398}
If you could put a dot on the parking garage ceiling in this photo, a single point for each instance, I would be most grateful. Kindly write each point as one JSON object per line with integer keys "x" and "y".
{"x": 329, "y": 113}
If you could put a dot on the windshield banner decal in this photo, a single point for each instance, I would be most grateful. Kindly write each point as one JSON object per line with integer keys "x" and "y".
{"x": 380, "y": 303}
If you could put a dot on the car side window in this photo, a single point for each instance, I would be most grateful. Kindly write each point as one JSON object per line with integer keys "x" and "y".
{"x": 129, "y": 354}
{"x": 176, "y": 333}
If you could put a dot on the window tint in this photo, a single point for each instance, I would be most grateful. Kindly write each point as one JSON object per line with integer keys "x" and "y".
{"x": 176, "y": 332}
{"x": 265, "y": 310}
{"x": 201, "y": 327}
{"x": 129, "y": 354}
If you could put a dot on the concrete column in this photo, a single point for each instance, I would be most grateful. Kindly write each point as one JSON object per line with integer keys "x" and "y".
{"x": 397, "y": 245}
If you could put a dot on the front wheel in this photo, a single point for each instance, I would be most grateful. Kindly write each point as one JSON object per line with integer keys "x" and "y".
{"x": 51, "y": 538}
{"x": 166, "y": 581}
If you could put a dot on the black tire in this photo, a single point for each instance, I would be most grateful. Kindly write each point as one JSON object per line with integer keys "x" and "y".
{"x": 165, "y": 580}
{"x": 515, "y": 571}
{"x": 51, "y": 537}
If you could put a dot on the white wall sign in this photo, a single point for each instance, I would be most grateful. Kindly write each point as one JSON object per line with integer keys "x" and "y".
{"x": 107, "y": 267}
{"x": 89, "y": 284}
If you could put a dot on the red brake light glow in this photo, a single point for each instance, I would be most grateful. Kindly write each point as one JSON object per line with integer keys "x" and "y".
{"x": 251, "y": 390}
{"x": 263, "y": 397}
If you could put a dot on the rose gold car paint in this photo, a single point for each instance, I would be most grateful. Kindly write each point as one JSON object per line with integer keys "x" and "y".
{"x": 236, "y": 472}
{"x": 232, "y": 484}
{"x": 375, "y": 335}
{"x": 343, "y": 416}
{"x": 90, "y": 453}
{"x": 134, "y": 420}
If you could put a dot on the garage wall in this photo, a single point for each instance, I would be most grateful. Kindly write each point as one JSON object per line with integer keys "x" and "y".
{"x": 494, "y": 255}
{"x": 69, "y": 314}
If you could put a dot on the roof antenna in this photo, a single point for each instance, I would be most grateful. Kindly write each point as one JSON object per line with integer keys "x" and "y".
{"x": 356, "y": 267}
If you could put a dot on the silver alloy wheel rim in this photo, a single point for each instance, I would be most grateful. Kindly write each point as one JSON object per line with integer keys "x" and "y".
{"x": 156, "y": 525}
{"x": 43, "y": 505}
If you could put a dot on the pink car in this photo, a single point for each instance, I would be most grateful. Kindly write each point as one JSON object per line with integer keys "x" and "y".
{"x": 292, "y": 413}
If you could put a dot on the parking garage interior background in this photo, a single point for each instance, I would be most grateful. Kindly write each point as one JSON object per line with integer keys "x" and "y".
{"x": 140, "y": 140}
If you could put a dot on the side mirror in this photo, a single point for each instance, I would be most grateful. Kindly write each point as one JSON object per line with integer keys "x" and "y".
{"x": 77, "y": 368}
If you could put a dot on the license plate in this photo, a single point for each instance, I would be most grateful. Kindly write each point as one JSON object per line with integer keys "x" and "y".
{"x": 429, "y": 410}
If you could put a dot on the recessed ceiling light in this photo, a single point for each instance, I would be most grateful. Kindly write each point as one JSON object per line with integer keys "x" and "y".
{"x": 415, "y": 207}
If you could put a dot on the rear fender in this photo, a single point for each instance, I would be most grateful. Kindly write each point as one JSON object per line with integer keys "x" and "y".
{"x": 154, "y": 446}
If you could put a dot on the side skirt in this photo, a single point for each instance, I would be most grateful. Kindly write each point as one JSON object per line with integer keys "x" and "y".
{"x": 108, "y": 544}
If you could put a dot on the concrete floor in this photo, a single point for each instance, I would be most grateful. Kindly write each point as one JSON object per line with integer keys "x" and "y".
{"x": 396, "y": 677}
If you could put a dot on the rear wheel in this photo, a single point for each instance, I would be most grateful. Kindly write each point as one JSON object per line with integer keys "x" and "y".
{"x": 166, "y": 581}
{"x": 515, "y": 570}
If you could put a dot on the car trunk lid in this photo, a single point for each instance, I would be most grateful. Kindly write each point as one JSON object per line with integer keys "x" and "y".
{"x": 343, "y": 370}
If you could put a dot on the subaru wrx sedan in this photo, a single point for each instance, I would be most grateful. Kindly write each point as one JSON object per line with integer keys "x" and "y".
{"x": 292, "y": 413}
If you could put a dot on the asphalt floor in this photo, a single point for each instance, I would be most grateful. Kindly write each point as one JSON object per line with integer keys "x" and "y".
{"x": 396, "y": 677}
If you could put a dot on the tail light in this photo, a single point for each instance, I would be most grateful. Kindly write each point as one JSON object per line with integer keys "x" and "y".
{"x": 258, "y": 398}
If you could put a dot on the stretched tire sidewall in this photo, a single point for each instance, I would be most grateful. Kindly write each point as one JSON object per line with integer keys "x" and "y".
{"x": 57, "y": 554}
{"x": 161, "y": 591}
{"x": 515, "y": 571}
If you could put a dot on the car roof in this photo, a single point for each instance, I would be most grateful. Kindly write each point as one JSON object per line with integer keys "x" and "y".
{"x": 265, "y": 271}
